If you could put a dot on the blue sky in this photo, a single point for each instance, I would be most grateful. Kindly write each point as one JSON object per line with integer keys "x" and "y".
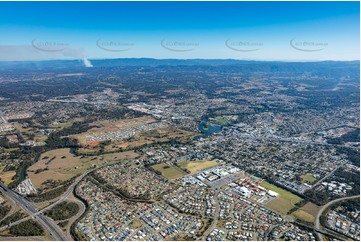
{"x": 238, "y": 30}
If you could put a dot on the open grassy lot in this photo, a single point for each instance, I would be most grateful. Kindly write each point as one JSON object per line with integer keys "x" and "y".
{"x": 308, "y": 212}
{"x": 284, "y": 202}
{"x": 308, "y": 178}
{"x": 89, "y": 150}
{"x": 104, "y": 130}
{"x": 194, "y": 166}
{"x": 22, "y": 129}
{"x": 302, "y": 215}
{"x": 106, "y": 126}
{"x": 280, "y": 205}
{"x": 149, "y": 137}
{"x": 61, "y": 165}
{"x": 311, "y": 208}
{"x": 169, "y": 171}
{"x": 7, "y": 176}
{"x": 61, "y": 125}
{"x": 11, "y": 149}
{"x": 135, "y": 223}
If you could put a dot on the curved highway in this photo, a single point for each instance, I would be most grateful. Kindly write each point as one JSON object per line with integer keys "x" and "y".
{"x": 52, "y": 229}
{"x": 48, "y": 225}
{"x": 317, "y": 219}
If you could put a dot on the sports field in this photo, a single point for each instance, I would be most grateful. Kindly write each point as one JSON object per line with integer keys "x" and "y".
{"x": 169, "y": 171}
{"x": 284, "y": 202}
{"x": 194, "y": 166}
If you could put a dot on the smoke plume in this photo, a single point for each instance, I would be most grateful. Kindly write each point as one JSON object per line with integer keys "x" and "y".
{"x": 87, "y": 63}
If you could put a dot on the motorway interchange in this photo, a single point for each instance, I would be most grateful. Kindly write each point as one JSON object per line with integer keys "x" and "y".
{"x": 51, "y": 228}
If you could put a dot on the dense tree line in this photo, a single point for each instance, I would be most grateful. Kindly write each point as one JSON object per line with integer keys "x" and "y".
{"x": 12, "y": 218}
{"x": 318, "y": 197}
{"x": 353, "y": 136}
{"x": 5, "y": 143}
{"x": 341, "y": 175}
{"x": 352, "y": 178}
{"x": 51, "y": 194}
{"x": 345, "y": 206}
{"x": 63, "y": 210}
{"x": 27, "y": 228}
{"x": 57, "y": 140}
{"x": 4, "y": 209}
{"x": 298, "y": 205}
{"x": 352, "y": 154}
{"x": 113, "y": 112}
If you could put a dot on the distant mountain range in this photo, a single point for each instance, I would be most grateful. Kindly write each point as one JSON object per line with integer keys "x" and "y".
{"x": 269, "y": 65}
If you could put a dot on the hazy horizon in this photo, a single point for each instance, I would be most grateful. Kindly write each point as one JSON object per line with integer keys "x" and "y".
{"x": 180, "y": 59}
{"x": 260, "y": 31}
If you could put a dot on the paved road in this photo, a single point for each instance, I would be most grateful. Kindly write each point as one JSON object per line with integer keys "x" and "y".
{"x": 317, "y": 219}
{"x": 68, "y": 192}
{"x": 215, "y": 218}
{"x": 52, "y": 229}
{"x": 35, "y": 238}
{"x": 82, "y": 209}
{"x": 12, "y": 210}
{"x": 324, "y": 178}
{"x": 283, "y": 139}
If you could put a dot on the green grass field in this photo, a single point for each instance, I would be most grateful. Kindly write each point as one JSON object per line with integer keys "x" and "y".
{"x": 282, "y": 193}
{"x": 285, "y": 200}
{"x": 302, "y": 215}
{"x": 308, "y": 178}
{"x": 221, "y": 121}
{"x": 62, "y": 125}
{"x": 169, "y": 171}
{"x": 194, "y": 166}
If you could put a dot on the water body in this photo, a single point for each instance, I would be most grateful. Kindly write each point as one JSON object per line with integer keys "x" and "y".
{"x": 22, "y": 174}
{"x": 207, "y": 128}
{"x": 197, "y": 137}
